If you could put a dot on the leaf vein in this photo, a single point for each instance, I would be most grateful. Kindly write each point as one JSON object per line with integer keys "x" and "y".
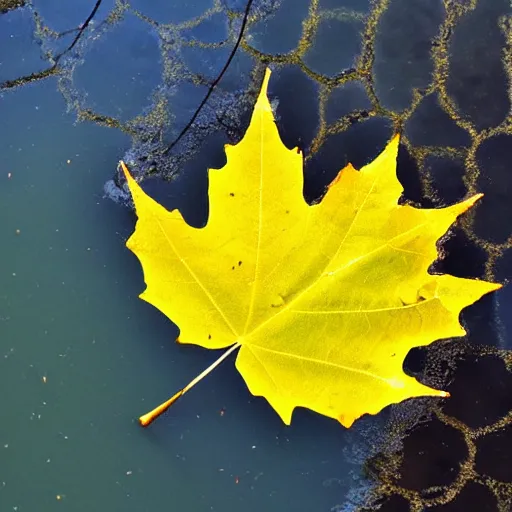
{"x": 194, "y": 276}
{"x": 349, "y": 311}
{"x": 321, "y": 362}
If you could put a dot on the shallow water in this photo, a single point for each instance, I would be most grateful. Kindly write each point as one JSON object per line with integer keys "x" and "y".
{"x": 83, "y": 356}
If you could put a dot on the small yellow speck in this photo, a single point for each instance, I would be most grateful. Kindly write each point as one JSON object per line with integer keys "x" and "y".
{"x": 68, "y": 161}
{"x": 44, "y": 379}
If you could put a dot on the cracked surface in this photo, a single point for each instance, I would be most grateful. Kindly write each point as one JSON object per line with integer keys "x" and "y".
{"x": 347, "y": 75}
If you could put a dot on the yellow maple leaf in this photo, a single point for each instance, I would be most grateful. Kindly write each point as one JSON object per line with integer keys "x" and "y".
{"x": 323, "y": 301}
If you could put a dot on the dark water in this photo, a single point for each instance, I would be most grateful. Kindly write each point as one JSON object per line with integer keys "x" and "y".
{"x": 83, "y": 357}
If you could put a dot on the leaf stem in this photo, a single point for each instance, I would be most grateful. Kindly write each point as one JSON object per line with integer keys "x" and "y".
{"x": 149, "y": 417}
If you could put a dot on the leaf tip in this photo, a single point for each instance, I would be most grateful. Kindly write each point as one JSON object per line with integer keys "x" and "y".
{"x": 132, "y": 184}
{"x": 348, "y": 168}
{"x": 435, "y": 393}
{"x": 262, "y": 97}
{"x": 125, "y": 170}
{"x": 393, "y": 144}
{"x": 266, "y": 79}
{"x": 467, "y": 204}
{"x": 346, "y": 420}
{"x": 472, "y": 200}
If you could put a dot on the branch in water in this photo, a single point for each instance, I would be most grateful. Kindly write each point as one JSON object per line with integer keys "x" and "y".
{"x": 52, "y": 70}
{"x": 215, "y": 82}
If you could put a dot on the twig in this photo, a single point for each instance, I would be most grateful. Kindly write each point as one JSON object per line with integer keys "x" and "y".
{"x": 82, "y": 29}
{"x": 52, "y": 70}
{"x": 215, "y": 82}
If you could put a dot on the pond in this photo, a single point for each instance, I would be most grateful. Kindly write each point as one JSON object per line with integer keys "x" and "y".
{"x": 85, "y": 84}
